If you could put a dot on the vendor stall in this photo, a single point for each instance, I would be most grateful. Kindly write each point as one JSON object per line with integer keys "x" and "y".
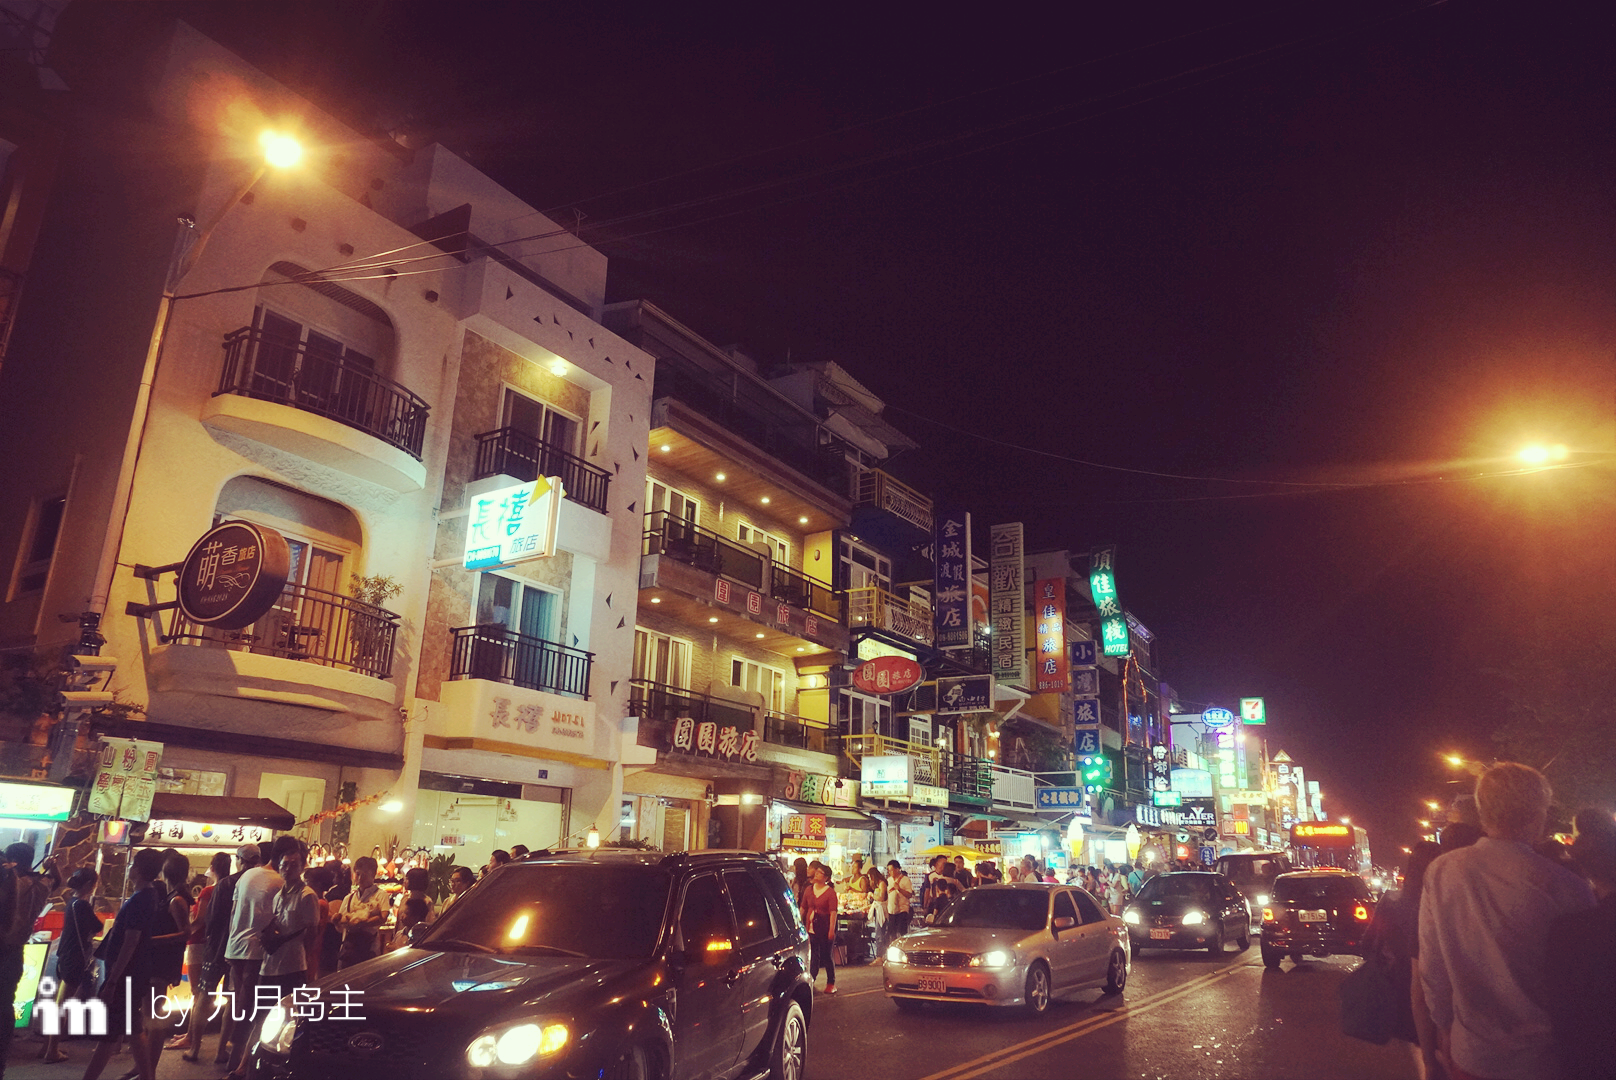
{"x": 197, "y": 826}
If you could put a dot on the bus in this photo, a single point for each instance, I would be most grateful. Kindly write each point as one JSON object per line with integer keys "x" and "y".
{"x": 1328, "y": 843}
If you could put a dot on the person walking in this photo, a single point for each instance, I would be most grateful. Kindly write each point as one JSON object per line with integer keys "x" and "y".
{"x": 799, "y": 879}
{"x": 253, "y": 910}
{"x": 168, "y": 969}
{"x": 130, "y": 960}
{"x": 1485, "y": 914}
{"x": 200, "y": 963}
{"x": 26, "y": 893}
{"x": 360, "y": 915}
{"x": 1582, "y": 957}
{"x": 819, "y": 910}
{"x": 294, "y": 913}
{"x": 900, "y": 900}
{"x": 75, "y": 953}
{"x": 221, "y": 910}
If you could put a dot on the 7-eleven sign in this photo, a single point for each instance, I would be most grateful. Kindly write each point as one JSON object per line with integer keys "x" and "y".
{"x": 1252, "y": 711}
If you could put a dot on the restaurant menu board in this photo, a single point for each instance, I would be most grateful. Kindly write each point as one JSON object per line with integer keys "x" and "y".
{"x": 126, "y": 779}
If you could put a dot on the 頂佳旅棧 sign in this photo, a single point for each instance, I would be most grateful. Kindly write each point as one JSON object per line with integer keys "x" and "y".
{"x": 514, "y": 524}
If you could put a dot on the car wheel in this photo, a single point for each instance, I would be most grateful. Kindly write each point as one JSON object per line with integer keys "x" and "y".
{"x": 1037, "y": 990}
{"x": 1215, "y": 946}
{"x": 908, "y": 1004}
{"x": 632, "y": 1064}
{"x": 1244, "y": 940}
{"x": 1116, "y": 974}
{"x": 1271, "y": 957}
{"x": 791, "y": 1047}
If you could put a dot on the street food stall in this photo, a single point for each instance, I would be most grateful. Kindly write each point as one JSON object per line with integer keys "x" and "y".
{"x": 197, "y": 826}
{"x": 30, "y": 813}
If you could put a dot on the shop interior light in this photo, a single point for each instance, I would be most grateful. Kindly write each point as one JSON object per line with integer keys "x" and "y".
{"x": 592, "y": 838}
{"x": 666, "y": 448}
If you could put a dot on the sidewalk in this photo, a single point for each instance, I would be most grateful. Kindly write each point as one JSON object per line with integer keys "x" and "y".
{"x": 24, "y": 1063}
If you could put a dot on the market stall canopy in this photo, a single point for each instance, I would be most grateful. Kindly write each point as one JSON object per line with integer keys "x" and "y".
{"x": 221, "y": 810}
{"x": 836, "y": 817}
{"x": 952, "y": 850}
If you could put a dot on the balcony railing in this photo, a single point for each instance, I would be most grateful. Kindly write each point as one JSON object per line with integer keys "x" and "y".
{"x": 873, "y": 608}
{"x": 501, "y": 655}
{"x": 516, "y": 453}
{"x": 270, "y": 368}
{"x": 704, "y": 549}
{"x": 659, "y": 705}
{"x": 877, "y": 489}
{"x": 928, "y": 767}
{"x": 308, "y": 624}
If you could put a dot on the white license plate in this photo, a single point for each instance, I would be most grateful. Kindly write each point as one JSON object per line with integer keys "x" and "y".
{"x": 933, "y": 984}
{"x": 1161, "y": 935}
{"x": 1312, "y": 916}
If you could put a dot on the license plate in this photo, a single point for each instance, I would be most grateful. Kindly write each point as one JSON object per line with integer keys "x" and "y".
{"x": 1312, "y": 916}
{"x": 1161, "y": 935}
{"x": 933, "y": 984}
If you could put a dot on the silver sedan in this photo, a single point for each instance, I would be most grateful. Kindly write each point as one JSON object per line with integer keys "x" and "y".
{"x": 1010, "y": 945}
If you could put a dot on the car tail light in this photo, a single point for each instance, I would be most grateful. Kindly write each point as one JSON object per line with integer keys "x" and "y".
{"x": 1267, "y": 914}
{"x": 1360, "y": 913}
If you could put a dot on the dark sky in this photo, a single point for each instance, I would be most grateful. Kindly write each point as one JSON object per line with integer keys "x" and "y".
{"x": 1358, "y": 244}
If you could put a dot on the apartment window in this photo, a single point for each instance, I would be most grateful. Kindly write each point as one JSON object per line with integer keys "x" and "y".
{"x": 660, "y": 497}
{"x": 518, "y": 606}
{"x": 864, "y": 567}
{"x": 314, "y": 375}
{"x": 857, "y": 714}
{"x": 768, "y": 681}
{"x": 541, "y": 421}
{"x": 38, "y": 546}
{"x": 920, "y": 730}
{"x": 779, "y": 550}
{"x": 661, "y": 659}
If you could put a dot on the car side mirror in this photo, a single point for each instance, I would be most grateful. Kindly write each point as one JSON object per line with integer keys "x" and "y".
{"x": 1064, "y": 922}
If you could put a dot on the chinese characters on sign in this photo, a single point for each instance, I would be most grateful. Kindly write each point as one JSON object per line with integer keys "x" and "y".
{"x": 819, "y": 789}
{"x": 514, "y": 524}
{"x": 1059, "y": 798}
{"x": 1103, "y": 587}
{"x": 233, "y": 575}
{"x": 536, "y": 719}
{"x": 964, "y": 694}
{"x": 1006, "y": 601}
{"x": 1050, "y": 671}
{"x": 887, "y": 675}
{"x": 951, "y": 599}
{"x": 753, "y": 603}
{"x": 175, "y": 833}
{"x": 1086, "y": 718}
{"x": 125, "y": 779}
{"x": 803, "y": 832}
{"x": 707, "y": 738}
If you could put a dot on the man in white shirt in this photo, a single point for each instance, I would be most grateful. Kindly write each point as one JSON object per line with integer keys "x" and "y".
{"x": 253, "y": 909}
{"x": 900, "y": 893}
{"x": 361, "y": 914}
{"x": 1484, "y": 920}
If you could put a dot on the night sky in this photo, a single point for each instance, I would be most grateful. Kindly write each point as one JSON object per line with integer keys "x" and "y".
{"x": 1327, "y": 269}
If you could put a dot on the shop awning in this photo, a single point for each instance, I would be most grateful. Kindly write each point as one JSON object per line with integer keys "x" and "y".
{"x": 836, "y": 817}
{"x": 221, "y": 810}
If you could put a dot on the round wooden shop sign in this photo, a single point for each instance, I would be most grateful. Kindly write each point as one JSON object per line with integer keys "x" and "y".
{"x": 234, "y": 574}
{"x": 887, "y": 675}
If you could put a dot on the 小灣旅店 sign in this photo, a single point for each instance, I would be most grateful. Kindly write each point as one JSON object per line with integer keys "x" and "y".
{"x": 514, "y": 524}
{"x": 951, "y": 597}
{"x": 233, "y": 575}
{"x": 887, "y": 675}
{"x": 1050, "y": 671}
{"x": 1103, "y": 588}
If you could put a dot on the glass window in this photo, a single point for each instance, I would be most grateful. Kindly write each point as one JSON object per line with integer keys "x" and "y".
{"x": 1065, "y": 909}
{"x": 1323, "y": 890}
{"x": 779, "y": 550}
{"x": 40, "y": 548}
{"x": 1194, "y": 886}
{"x": 753, "y": 923}
{"x": 1087, "y": 908}
{"x": 518, "y": 607}
{"x": 1005, "y": 909}
{"x": 660, "y": 497}
{"x": 541, "y": 421}
{"x": 704, "y": 916}
{"x": 598, "y": 912}
{"x": 661, "y": 659}
{"x": 767, "y": 681}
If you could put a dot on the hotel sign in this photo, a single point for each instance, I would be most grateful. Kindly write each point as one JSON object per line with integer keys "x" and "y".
{"x": 1007, "y": 603}
{"x": 1103, "y": 588}
{"x": 514, "y": 524}
{"x": 1051, "y": 673}
{"x": 951, "y": 597}
{"x": 233, "y": 575}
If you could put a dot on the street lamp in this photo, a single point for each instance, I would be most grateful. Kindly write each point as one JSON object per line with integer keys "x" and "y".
{"x": 1425, "y": 824}
{"x": 1433, "y": 804}
{"x": 1538, "y": 454}
{"x": 1345, "y": 820}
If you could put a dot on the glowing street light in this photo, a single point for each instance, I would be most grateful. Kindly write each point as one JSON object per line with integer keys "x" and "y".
{"x": 1345, "y": 820}
{"x": 280, "y": 150}
{"x": 1433, "y": 804}
{"x": 1425, "y": 824}
{"x": 1538, "y": 454}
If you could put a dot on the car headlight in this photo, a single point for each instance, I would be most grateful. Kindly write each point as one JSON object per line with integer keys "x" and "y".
{"x": 278, "y": 1028}
{"x": 1132, "y": 917}
{"x": 896, "y": 955}
{"x": 998, "y": 958}
{"x": 1262, "y": 899}
{"x": 517, "y": 1044}
{"x": 1194, "y": 918}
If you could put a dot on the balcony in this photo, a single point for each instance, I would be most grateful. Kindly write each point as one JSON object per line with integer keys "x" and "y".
{"x": 873, "y": 608}
{"x": 717, "y": 574}
{"x": 497, "y": 654}
{"x": 310, "y": 625}
{"x": 660, "y": 706}
{"x": 264, "y": 375}
{"x": 510, "y": 452}
{"x": 892, "y": 496}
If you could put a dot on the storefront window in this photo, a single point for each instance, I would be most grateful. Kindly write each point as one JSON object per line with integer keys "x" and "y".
{"x": 471, "y": 826}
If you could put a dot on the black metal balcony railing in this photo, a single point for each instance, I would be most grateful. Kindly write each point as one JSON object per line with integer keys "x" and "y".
{"x": 970, "y": 778}
{"x": 270, "y": 368}
{"x": 501, "y": 655}
{"x": 309, "y": 624}
{"x": 516, "y": 453}
{"x": 706, "y": 550}
{"x": 659, "y": 705}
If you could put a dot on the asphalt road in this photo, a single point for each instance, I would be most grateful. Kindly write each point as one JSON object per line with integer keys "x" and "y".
{"x": 1183, "y": 1015}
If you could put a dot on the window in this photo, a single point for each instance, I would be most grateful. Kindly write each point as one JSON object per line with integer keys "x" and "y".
{"x": 518, "y": 607}
{"x": 704, "y": 916}
{"x": 920, "y": 730}
{"x": 1064, "y": 908}
{"x": 541, "y": 421}
{"x": 312, "y": 376}
{"x": 779, "y": 550}
{"x": 660, "y": 497}
{"x": 857, "y": 714}
{"x": 1088, "y": 908}
{"x": 753, "y": 925}
{"x": 864, "y": 567}
{"x": 38, "y": 546}
{"x": 661, "y": 659}
{"x": 767, "y": 681}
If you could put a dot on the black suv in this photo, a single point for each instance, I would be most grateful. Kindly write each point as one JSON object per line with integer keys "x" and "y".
{"x": 619, "y": 964}
{"x": 1316, "y": 913}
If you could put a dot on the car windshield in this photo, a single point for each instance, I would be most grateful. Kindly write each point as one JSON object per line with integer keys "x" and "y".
{"x": 1002, "y": 909}
{"x": 598, "y": 912}
{"x": 1160, "y": 888}
{"x": 1322, "y": 890}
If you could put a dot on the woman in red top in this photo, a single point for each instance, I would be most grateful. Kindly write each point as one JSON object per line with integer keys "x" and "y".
{"x": 819, "y": 913}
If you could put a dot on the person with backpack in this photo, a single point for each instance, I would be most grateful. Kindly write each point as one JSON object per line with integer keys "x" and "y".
{"x": 75, "y": 953}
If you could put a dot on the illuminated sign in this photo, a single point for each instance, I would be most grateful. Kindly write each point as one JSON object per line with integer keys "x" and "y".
{"x": 886, "y": 776}
{"x": 1051, "y": 670}
{"x": 803, "y": 832}
{"x": 513, "y": 525}
{"x": 1005, "y": 603}
{"x": 233, "y": 575}
{"x": 887, "y": 675}
{"x": 1321, "y": 834}
{"x": 1217, "y": 718}
{"x": 1253, "y": 711}
{"x": 36, "y": 802}
{"x": 951, "y": 576}
{"x": 1103, "y": 588}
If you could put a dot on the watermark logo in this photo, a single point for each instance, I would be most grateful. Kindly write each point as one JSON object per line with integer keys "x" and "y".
{"x": 79, "y": 1017}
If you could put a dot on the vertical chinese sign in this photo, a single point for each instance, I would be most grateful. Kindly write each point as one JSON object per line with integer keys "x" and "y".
{"x": 951, "y": 597}
{"x": 125, "y": 779}
{"x": 1006, "y": 601}
{"x": 1049, "y": 614}
{"x": 1103, "y": 587}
